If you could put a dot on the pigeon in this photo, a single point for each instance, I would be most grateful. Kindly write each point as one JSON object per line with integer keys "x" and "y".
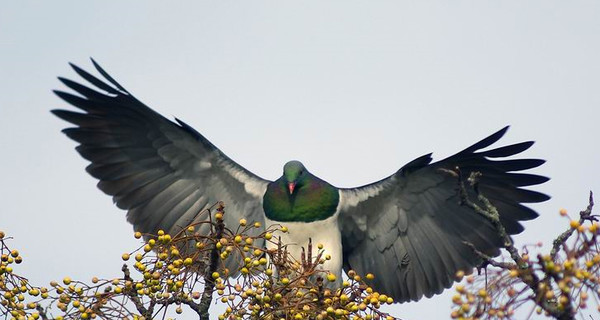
{"x": 409, "y": 230}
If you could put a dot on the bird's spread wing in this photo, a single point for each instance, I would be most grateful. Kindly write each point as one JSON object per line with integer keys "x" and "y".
{"x": 163, "y": 173}
{"x": 409, "y": 229}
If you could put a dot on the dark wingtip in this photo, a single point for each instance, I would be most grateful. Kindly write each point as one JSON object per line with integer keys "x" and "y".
{"x": 546, "y": 197}
{"x": 501, "y": 132}
{"x": 486, "y": 141}
{"x": 93, "y": 80}
{"x": 416, "y": 164}
{"x": 63, "y": 80}
{"x": 57, "y": 92}
{"x": 63, "y": 95}
{"x": 541, "y": 179}
{"x": 68, "y": 132}
{"x": 507, "y": 151}
{"x": 107, "y": 76}
{"x": 58, "y": 113}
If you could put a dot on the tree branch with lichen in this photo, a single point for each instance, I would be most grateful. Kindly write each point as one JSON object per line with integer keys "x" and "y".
{"x": 558, "y": 283}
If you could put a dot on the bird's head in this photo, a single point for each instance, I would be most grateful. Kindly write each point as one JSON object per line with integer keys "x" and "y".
{"x": 294, "y": 175}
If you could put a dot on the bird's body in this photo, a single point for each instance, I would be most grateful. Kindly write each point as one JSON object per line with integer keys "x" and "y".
{"x": 408, "y": 229}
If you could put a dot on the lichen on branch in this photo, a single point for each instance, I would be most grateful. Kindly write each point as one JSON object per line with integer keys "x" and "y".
{"x": 558, "y": 284}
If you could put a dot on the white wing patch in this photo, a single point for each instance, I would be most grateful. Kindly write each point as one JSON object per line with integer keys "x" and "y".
{"x": 252, "y": 186}
{"x": 352, "y": 197}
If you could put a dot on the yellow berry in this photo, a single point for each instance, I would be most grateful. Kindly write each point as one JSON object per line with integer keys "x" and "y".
{"x": 465, "y": 307}
{"x": 574, "y": 224}
{"x": 370, "y": 276}
{"x": 331, "y": 277}
{"x": 125, "y": 256}
{"x": 137, "y": 235}
{"x": 563, "y": 212}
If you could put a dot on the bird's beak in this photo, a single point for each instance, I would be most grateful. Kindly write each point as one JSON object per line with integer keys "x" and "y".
{"x": 291, "y": 186}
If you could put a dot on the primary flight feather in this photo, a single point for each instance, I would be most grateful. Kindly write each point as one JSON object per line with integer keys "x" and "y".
{"x": 408, "y": 229}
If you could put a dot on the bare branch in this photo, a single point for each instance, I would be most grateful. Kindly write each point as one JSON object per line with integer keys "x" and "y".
{"x": 209, "y": 282}
{"x": 563, "y": 237}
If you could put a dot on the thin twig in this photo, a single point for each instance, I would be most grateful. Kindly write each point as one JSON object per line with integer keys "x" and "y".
{"x": 489, "y": 260}
{"x": 42, "y": 312}
{"x": 563, "y": 237}
{"x": 132, "y": 294}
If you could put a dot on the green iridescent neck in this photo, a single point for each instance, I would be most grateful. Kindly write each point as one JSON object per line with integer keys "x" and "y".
{"x": 313, "y": 199}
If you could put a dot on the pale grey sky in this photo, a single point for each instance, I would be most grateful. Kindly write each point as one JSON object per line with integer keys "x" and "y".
{"x": 354, "y": 89}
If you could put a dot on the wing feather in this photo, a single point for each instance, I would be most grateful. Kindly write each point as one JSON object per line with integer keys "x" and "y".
{"x": 163, "y": 173}
{"x": 415, "y": 227}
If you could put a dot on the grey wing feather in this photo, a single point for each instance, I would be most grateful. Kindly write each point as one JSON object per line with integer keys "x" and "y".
{"x": 410, "y": 231}
{"x": 163, "y": 173}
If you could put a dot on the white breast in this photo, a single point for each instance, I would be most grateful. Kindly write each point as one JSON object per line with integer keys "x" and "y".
{"x": 325, "y": 232}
